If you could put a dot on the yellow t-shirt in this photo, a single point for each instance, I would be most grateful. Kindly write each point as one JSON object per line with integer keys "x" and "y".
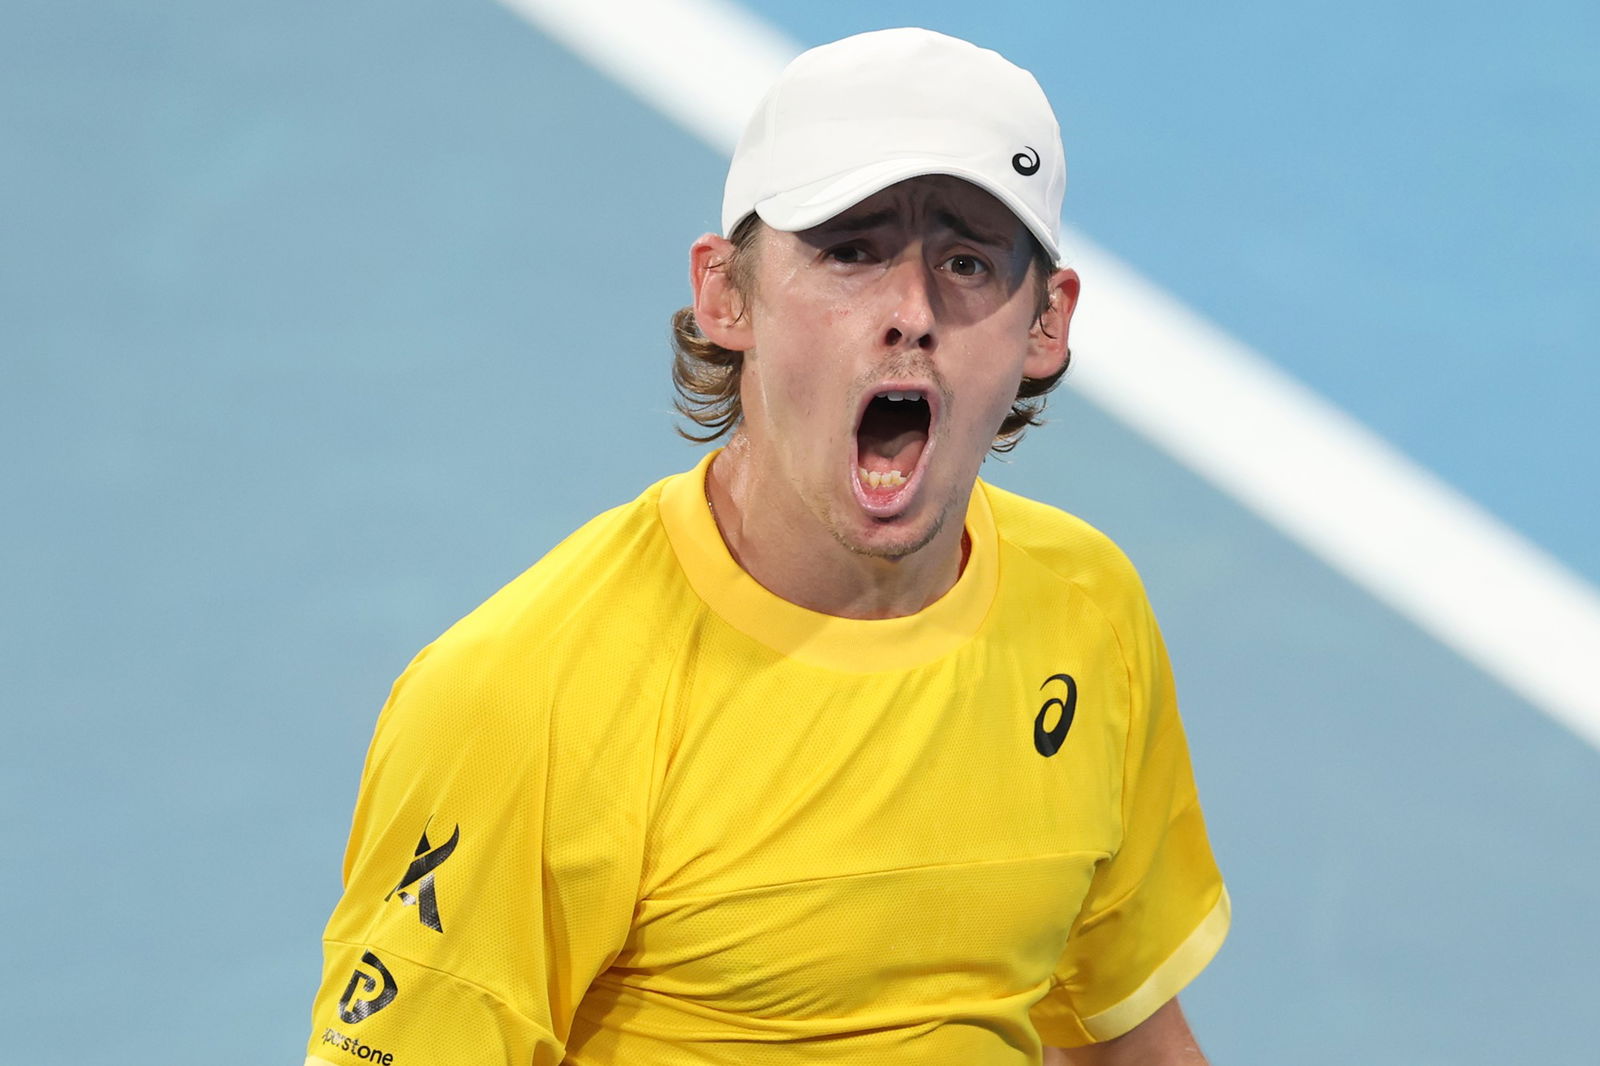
{"x": 636, "y": 809}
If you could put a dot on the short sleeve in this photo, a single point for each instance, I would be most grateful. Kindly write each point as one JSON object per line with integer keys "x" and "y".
{"x": 490, "y": 874}
{"x": 1156, "y": 910}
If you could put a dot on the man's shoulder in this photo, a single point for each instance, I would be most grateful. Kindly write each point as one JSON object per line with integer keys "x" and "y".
{"x": 608, "y": 581}
{"x": 564, "y": 657}
{"x": 1062, "y": 543}
{"x": 1047, "y": 547}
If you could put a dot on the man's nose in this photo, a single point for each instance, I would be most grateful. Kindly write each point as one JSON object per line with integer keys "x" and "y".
{"x": 911, "y": 313}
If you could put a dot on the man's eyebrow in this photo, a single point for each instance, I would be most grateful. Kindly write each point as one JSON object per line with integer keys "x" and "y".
{"x": 847, "y": 222}
{"x": 977, "y": 234}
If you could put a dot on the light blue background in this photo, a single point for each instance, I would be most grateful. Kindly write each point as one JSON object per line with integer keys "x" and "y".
{"x": 319, "y": 322}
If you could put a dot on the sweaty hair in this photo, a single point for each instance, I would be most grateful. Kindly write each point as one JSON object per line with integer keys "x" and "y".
{"x": 706, "y": 375}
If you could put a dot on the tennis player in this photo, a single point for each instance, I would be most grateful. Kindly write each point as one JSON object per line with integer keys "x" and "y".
{"x": 823, "y": 751}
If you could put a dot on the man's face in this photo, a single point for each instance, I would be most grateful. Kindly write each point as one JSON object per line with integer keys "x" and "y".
{"x": 888, "y": 345}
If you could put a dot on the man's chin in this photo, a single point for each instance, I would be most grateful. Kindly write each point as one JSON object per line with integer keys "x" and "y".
{"x": 892, "y": 540}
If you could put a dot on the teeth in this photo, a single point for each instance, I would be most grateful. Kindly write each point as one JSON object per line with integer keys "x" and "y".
{"x": 908, "y": 394}
{"x": 887, "y": 479}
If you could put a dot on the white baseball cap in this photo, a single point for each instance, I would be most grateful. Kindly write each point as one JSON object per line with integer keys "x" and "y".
{"x": 848, "y": 119}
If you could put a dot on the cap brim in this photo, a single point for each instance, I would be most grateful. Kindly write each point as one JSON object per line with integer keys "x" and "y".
{"x": 810, "y": 205}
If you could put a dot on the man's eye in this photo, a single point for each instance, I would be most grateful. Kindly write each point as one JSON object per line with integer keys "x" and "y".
{"x": 847, "y": 253}
{"x": 966, "y": 266}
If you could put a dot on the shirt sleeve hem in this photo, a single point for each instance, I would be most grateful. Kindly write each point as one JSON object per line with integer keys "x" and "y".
{"x": 1181, "y": 967}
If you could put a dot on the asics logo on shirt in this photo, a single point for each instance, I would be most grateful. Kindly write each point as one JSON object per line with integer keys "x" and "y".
{"x": 1047, "y": 741}
{"x": 354, "y": 1006}
{"x": 420, "y": 873}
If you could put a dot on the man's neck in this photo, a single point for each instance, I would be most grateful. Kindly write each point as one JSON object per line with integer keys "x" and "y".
{"x": 792, "y": 555}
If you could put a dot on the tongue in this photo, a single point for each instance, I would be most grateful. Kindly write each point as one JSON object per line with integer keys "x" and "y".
{"x": 893, "y": 451}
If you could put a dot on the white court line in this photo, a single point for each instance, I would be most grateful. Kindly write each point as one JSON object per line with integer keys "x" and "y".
{"x": 1224, "y": 411}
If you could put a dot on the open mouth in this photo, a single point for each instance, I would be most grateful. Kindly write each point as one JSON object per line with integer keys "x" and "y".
{"x": 891, "y": 441}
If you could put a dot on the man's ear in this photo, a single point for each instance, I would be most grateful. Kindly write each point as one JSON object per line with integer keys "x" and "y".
{"x": 719, "y": 308}
{"x": 1047, "y": 341}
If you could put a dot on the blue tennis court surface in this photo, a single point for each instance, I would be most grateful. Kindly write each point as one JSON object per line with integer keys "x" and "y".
{"x": 320, "y": 322}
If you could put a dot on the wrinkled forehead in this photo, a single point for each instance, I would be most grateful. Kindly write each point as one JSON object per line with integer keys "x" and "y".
{"x": 926, "y": 203}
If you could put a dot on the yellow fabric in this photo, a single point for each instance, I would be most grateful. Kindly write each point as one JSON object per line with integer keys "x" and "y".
{"x": 682, "y": 821}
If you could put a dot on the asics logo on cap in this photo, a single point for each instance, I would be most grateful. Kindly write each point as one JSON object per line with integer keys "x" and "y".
{"x": 1026, "y": 162}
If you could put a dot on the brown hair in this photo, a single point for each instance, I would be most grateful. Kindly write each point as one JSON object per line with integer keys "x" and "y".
{"x": 706, "y": 375}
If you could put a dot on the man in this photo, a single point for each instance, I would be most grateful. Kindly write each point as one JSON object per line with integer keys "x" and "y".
{"x": 824, "y": 752}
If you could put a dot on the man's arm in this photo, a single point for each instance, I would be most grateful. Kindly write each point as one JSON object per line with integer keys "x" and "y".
{"x": 1163, "y": 1039}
